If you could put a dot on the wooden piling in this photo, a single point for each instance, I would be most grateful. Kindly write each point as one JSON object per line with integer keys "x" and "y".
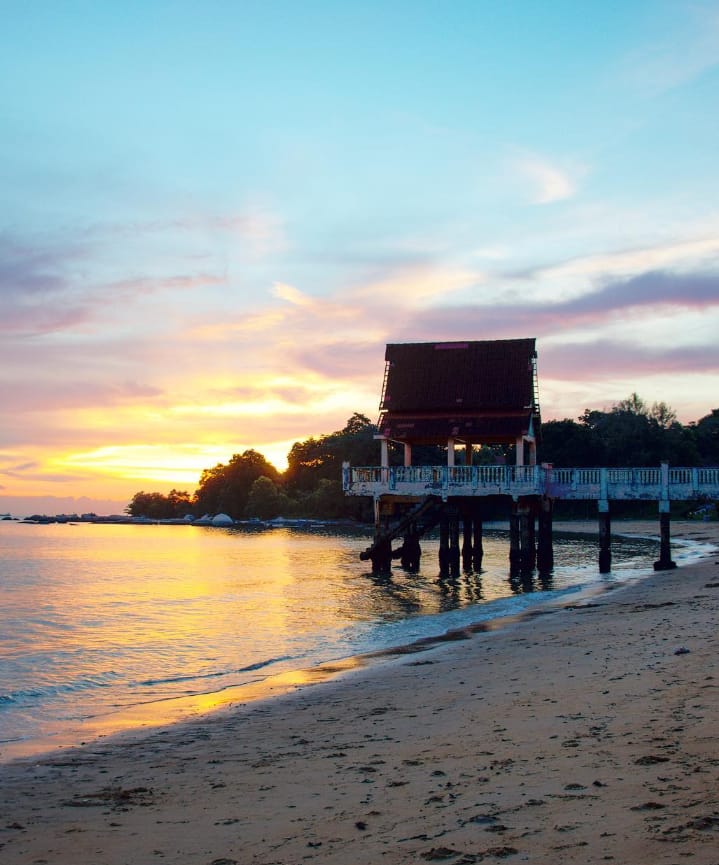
{"x": 664, "y": 563}
{"x": 605, "y": 538}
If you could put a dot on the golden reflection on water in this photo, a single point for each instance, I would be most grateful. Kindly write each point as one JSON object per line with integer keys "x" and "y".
{"x": 142, "y": 625}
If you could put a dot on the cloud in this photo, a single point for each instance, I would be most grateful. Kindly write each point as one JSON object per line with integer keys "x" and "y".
{"x": 260, "y": 229}
{"x": 32, "y": 269}
{"x": 628, "y": 261}
{"x": 49, "y": 396}
{"x": 550, "y": 183}
{"x": 691, "y": 49}
{"x": 292, "y": 295}
{"x": 602, "y": 359}
{"x": 148, "y": 285}
{"x": 419, "y": 284}
{"x": 655, "y": 290}
{"x": 44, "y": 289}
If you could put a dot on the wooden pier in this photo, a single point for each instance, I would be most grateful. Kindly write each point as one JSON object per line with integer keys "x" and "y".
{"x": 409, "y": 501}
{"x": 461, "y": 396}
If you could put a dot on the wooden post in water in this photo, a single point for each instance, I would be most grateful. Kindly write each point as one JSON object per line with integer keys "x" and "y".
{"x": 664, "y": 563}
{"x": 545, "y": 549}
{"x": 411, "y": 551}
{"x": 605, "y": 538}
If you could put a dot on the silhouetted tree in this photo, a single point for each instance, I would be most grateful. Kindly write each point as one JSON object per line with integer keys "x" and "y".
{"x": 706, "y": 435}
{"x": 264, "y": 500}
{"x": 317, "y": 459}
{"x": 226, "y": 488}
{"x": 156, "y": 506}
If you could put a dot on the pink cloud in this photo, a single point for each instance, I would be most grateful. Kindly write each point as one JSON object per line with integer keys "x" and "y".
{"x": 607, "y": 358}
{"x": 48, "y": 396}
{"x": 653, "y": 290}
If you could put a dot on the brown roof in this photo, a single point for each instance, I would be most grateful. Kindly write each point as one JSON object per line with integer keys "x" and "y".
{"x": 485, "y": 390}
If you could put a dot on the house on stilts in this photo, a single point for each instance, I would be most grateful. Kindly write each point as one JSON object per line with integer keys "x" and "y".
{"x": 461, "y": 397}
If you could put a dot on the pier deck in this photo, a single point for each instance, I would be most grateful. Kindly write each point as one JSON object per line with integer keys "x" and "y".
{"x": 662, "y": 483}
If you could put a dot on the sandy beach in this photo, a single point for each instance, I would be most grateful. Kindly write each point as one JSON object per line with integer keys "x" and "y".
{"x": 583, "y": 733}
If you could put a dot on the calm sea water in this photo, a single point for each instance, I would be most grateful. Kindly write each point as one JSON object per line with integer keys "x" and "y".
{"x": 103, "y": 627}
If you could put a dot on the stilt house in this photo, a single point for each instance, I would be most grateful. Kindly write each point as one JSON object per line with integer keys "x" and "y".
{"x": 461, "y": 394}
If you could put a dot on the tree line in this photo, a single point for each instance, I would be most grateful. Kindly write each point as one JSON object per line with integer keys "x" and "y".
{"x": 631, "y": 433}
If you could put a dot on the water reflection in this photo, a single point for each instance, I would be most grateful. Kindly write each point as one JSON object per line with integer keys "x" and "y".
{"x": 460, "y": 591}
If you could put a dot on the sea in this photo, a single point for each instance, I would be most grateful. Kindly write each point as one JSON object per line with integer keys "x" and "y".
{"x": 105, "y": 628}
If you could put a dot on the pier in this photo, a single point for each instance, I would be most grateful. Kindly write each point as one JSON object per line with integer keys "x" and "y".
{"x": 412, "y": 500}
{"x": 459, "y": 397}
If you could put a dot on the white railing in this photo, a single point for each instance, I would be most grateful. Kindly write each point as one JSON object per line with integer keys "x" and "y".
{"x": 661, "y": 483}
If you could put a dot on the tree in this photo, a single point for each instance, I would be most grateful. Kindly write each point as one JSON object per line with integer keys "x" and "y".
{"x": 663, "y": 414}
{"x": 706, "y": 436}
{"x": 321, "y": 458}
{"x": 226, "y": 488}
{"x": 568, "y": 443}
{"x": 156, "y": 506}
{"x": 264, "y": 500}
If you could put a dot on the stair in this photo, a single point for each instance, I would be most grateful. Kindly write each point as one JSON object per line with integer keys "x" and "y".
{"x": 425, "y": 515}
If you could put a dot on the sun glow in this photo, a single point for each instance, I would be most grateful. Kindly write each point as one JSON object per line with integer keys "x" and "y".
{"x": 168, "y": 464}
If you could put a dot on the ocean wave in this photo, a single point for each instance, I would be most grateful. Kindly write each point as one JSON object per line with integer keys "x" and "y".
{"x": 42, "y": 693}
{"x": 216, "y": 674}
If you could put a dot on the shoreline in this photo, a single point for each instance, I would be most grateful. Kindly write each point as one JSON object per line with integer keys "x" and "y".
{"x": 585, "y": 733}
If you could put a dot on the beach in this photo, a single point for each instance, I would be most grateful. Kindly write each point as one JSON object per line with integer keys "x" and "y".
{"x": 584, "y": 732}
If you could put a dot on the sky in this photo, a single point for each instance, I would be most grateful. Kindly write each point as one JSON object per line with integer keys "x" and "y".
{"x": 214, "y": 216}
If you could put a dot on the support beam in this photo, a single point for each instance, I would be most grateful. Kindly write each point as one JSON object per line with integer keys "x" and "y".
{"x": 532, "y": 451}
{"x": 411, "y": 552}
{"x": 545, "y": 548}
{"x": 605, "y": 538}
{"x": 407, "y": 455}
{"x": 664, "y": 563}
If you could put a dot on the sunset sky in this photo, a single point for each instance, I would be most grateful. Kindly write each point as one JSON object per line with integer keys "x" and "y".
{"x": 214, "y": 216}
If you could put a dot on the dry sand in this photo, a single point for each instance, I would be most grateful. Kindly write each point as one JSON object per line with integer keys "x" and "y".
{"x": 587, "y": 734}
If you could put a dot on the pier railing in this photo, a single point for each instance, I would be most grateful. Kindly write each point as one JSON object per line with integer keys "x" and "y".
{"x": 653, "y": 484}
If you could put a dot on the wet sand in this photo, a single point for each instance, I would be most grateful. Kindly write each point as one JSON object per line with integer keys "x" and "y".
{"x": 583, "y": 734}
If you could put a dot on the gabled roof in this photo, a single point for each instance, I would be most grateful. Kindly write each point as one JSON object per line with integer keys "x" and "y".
{"x": 481, "y": 391}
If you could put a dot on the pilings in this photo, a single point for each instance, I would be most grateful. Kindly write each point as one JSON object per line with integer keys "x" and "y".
{"x": 461, "y": 530}
{"x": 522, "y": 537}
{"x": 449, "y": 551}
